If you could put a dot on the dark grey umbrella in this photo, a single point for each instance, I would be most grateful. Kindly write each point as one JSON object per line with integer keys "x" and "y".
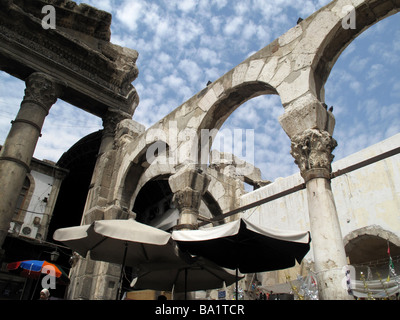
{"x": 200, "y": 274}
{"x": 245, "y": 246}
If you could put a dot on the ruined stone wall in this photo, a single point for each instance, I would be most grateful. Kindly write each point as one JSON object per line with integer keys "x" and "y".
{"x": 295, "y": 66}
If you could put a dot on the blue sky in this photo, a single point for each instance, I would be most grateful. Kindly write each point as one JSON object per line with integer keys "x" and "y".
{"x": 184, "y": 43}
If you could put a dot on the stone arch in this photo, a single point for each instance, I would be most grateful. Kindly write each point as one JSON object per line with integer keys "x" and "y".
{"x": 218, "y": 112}
{"x": 152, "y": 202}
{"x": 80, "y": 161}
{"x": 131, "y": 175}
{"x": 295, "y": 66}
{"x": 230, "y": 100}
{"x": 370, "y": 243}
{"x": 154, "y": 171}
{"x": 313, "y": 54}
{"x": 212, "y": 204}
{"x": 367, "y": 13}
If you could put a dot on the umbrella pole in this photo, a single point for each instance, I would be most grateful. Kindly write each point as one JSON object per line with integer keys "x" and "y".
{"x": 119, "y": 292}
{"x": 34, "y": 290}
{"x": 185, "y": 283}
{"x": 237, "y": 288}
{"x": 23, "y": 290}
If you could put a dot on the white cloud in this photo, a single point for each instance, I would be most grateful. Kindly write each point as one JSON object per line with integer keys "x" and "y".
{"x": 186, "y": 5}
{"x": 233, "y": 26}
{"x": 105, "y": 5}
{"x": 395, "y": 92}
{"x": 191, "y": 69}
{"x": 241, "y": 8}
{"x": 220, "y": 3}
{"x": 375, "y": 71}
{"x": 209, "y": 56}
{"x": 249, "y": 30}
{"x": 130, "y": 13}
{"x": 358, "y": 64}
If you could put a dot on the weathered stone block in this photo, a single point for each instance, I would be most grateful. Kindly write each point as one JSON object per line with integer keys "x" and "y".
{"x": 94, "y": 214}
{"x": 296, "y": 84}
{"x": 189, "y": 178}
{"x": 382, "y": 8}
{"x": 84, "y": 288}
{"x": 116, "y": 212}
{"x": 208, "y": 100}
{"x": 283, "y": 70}
{"x": 268, "y": 71}
{"x": 313, "y": 115}
{"x": 254, "y": 70}
{"x": 239, "y": 74}
{"x": 291, "y": 35}
{"x": 129, "y": 127}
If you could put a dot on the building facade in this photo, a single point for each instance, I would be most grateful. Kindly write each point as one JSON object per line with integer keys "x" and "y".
{"x": 28, "y": 232}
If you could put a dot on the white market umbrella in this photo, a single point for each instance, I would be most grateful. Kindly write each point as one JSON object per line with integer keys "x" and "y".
{"x": 125, "y": 242}
{"x": 107, "y": 240}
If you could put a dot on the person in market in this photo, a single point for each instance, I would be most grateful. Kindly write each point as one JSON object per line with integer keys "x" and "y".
{"x": 44, "y": 294}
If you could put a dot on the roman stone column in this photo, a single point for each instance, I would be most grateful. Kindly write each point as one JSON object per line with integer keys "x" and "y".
{"x": 188, "y": 186}
{"x": 90, "y": 279}
{"x": 312, "y": 151}
{"x": 41, "y": 93}
{"x": 102, "y": 174}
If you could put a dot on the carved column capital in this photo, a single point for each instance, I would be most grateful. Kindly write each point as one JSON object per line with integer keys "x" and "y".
{"x": 187, "y": 200}
{"x": 110, "y": 122}
{"x": 42, "y": 90}
{"x": 188, "y": 186}
{"x": 312, "y": 151}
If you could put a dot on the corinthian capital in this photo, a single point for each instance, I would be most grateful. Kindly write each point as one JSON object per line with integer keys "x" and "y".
{"x": 110, "y": 122}
{"x": 312, "y": 151}
{"x": 188, "y": 186}
{"x": 42, "y": 89}
{"x": 187, "y": 200}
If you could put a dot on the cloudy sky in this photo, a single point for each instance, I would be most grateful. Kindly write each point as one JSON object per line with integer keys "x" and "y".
{"x": 182, "y": 44}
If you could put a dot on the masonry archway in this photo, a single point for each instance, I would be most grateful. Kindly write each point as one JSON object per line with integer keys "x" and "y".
{"x": 367, "y": 71}
{"x": 230, "y": 100}
{"x": 219, "y": 112}
{"x": 80, "y": 160}
{"x": 153, "y": 204}
{"x": 338, "y": 38}
{"x": 322, "y": 40}
{"x": 370, "y": 244}
{"x": 128, "y": 186}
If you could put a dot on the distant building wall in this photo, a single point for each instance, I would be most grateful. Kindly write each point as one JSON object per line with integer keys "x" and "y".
{"x": 37, "y": 200}
{"x": 365, "y": 198}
